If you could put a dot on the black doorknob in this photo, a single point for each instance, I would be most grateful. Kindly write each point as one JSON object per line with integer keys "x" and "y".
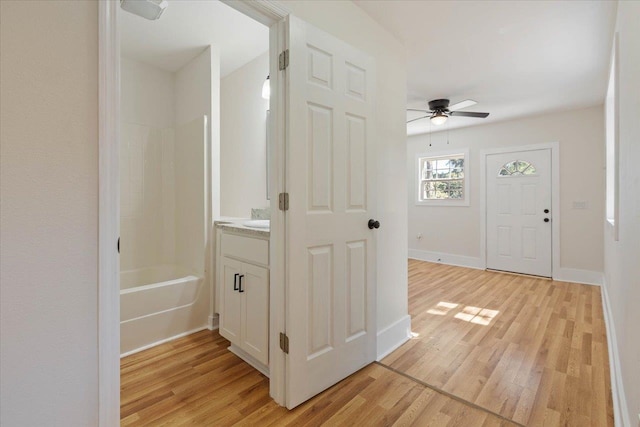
{"x": 546, "y": 220}
{"x": 546, "y": 211}
{"x": 373, "y": 224}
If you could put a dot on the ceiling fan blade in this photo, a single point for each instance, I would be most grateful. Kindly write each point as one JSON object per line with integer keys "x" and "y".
{"x": 422, "y": 111}
{"x": 468, "y": 114}
{"x": 462, "y": 104}
{"x": 419, "y": 118}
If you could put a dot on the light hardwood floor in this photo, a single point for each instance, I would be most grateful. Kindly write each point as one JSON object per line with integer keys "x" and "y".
{"x": 196, "y": 381}
{"x": 529, "y": 349}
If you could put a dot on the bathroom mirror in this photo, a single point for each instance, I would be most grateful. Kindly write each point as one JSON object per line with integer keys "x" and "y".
{"x": 268, "y": 151}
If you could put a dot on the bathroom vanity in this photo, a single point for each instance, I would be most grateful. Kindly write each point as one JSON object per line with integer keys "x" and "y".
{"x": 242, "y": 289}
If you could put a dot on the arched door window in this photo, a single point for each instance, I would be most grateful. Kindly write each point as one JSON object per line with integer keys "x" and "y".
{"x": 516, "y": 168}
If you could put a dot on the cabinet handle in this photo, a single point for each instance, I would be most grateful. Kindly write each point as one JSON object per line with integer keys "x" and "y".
{"x": 235, "y": 281}
{"x": 240, "y": 281}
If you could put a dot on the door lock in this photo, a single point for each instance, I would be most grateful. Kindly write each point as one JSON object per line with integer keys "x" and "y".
{"x": 373, "y": 224}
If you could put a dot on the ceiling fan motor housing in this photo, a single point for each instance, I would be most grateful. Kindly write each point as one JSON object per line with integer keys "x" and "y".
{"x": 439, "y": 104}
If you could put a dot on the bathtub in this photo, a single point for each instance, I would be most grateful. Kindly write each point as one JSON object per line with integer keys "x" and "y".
{"x": 158, "y": 304}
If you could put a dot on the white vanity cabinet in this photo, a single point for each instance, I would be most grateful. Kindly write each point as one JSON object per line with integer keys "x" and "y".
{"x": 243, "y": 285}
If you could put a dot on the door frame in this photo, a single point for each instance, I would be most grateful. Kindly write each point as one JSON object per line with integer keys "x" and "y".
{"x": 555, "y": 198}
{"x": 270, "y": 13}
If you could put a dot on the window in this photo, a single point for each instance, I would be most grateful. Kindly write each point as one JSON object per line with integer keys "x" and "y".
{"x": 516, "y": 168}
{"x": 442, "y": 179}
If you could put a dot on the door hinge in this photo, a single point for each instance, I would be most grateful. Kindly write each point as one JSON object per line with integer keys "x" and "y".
{"x": 283, "y": 60}
{"x": 283, "y": 201}
{"x": 284, "y": 342}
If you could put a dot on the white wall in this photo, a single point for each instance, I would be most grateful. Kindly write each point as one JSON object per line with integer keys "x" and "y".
{"x": 348, "y": 22}
{"x": 622, "y": 258}
{"x": 49, "y": 216}
{"x": 146, "y": 95}
{"x": 243, "y": 170}
{"x": 456, "y": 230}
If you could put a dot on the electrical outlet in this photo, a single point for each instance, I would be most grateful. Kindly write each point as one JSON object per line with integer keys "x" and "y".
{"x": 580, "y": 205}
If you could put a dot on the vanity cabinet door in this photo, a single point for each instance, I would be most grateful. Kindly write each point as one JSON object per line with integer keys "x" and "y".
{"x": 231, "y": 299}
{"x": 255, "y": 312}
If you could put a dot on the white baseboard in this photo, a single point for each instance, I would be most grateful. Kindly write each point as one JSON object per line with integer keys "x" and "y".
{"x": 264, "y": 370}
{"x": 449, "y": 259}
{"x": 214, "y": 322}
{"x": 620, "y": 410}
{"x": 393, "y": 336}
{"x": 575, "y": 275}
{"x": 162, "y": 341}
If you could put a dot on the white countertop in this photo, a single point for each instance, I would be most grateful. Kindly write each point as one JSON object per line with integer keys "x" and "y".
{"x": 235, "y": 225}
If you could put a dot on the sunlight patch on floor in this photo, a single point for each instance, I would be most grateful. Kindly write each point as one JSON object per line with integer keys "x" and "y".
{"x": 477, "y": 315}
{"x": 442, "y": 308}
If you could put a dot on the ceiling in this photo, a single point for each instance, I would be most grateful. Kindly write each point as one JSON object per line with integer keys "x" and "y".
{"x": 514, "y": 58}
{"x": 186, "y": 28}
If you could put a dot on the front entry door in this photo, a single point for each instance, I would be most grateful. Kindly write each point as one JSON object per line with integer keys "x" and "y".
{"x": 519, "y": 212}
{"x": 330, "y": 261}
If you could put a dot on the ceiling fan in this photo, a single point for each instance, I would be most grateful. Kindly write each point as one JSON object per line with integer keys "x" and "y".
{"x": 439, "y": 110}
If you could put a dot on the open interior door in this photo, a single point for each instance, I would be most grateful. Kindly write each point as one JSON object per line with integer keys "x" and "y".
{"x": 330, "y": 167}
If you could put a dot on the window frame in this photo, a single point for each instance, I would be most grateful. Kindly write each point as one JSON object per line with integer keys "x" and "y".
{"x": 464, "y": 201}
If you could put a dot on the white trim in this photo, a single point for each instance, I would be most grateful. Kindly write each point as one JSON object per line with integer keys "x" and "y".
{"x": 614, "y": 78}
{"x": 263, "y": 369}
{"x": 576, "y": 275}
{"x": 213, "y": 322}
{"x": 393, "y": 336}
{"x": 555, "y": 197}
{"x": 267, "y": 12}
{"x": 278, "y": 39}
{"x": 447, "y": 202}
{"x": 620, "y": 410}
{"x": 108, "y": 216}
{"x": 272, "y": 13}
{"x": 162, "y": 341}
{"x": 449, "y": 259}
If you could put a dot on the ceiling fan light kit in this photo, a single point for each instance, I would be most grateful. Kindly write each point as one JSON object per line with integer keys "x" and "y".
{"x": 439, "y": 110}
{"x": 438, "y": 118}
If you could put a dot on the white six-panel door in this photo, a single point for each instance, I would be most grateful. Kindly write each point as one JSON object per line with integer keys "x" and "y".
{"x": 519, "y": 212}
{"x": 331, "y": 264}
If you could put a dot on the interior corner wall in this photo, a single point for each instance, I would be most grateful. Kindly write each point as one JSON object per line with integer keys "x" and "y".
{"x": 622, "y": 266}
{"x": 243, "y": 140}
{"x": 348, "y": 22}
{"x": 49, "y": 213}
{"x": 455, "y": 231}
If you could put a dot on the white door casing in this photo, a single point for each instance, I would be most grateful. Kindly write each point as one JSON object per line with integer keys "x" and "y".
{"x": 330, "y": 300}
{"x": 517, "y": 237}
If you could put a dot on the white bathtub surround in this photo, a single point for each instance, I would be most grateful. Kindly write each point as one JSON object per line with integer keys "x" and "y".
{"x": 147, "y": 200}
{"x": 166, "y": 199}
{"x": 158, "y": 304}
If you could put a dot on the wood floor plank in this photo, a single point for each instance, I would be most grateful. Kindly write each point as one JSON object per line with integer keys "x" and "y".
{"x": 211, "y": 386}
{"x": 532, "y": 350}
